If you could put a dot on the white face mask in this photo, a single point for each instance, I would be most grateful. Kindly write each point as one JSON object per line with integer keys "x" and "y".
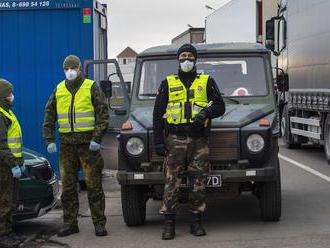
{"x": 11, "y": 98}
{"x": 71, "y": 74}
{"x": 187, "y": 66}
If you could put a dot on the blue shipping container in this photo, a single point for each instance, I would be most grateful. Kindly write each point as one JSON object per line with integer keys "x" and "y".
{"x": 35, "y": 37}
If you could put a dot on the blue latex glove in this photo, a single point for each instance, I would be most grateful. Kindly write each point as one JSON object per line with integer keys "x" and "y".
{"x": 93, "y": 146}
{"x": 23, "y": 169}
{"x": 51, "y": 148}
{"x": 16, "y": 171}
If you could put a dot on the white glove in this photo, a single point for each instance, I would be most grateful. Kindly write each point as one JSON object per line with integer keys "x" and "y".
{"x": 51, "y": 148}
{"x": 93, "y": 146}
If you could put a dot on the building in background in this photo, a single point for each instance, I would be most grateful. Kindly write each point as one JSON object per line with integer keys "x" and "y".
{"x": 192, "y": 35}
{"x": 127, "y": 60}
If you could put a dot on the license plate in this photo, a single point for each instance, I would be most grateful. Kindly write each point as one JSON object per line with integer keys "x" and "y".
{"x": 214, "y": 181}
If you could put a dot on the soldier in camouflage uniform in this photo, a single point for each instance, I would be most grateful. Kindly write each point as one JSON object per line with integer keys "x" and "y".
{"x": 11, "y": 166}
{"x": 184, "y": 107}
{"x": 80, "y": 108}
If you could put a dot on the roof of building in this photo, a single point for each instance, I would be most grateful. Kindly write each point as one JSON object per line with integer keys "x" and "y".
{"x": 208, "y": 48}
{"x": 127, "y": 53}
{"x": 190, "y": 30}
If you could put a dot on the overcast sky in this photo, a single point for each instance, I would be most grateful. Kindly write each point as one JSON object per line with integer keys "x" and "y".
{"x": 144, "y": 23}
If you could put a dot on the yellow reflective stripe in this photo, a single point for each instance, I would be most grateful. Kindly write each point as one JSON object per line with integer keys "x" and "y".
{"x": 84, "y": 124}
{"x": 86, "y": 114}
{"x": 77, "y": 115}
{"x": 176, "y": 107}
{"x": 63, "y": 116}
{"x": 14, "y": 140}
{"x": 16, "y": 150}
{"x": 64, "y": 125}
{"x": 175, "y": 116}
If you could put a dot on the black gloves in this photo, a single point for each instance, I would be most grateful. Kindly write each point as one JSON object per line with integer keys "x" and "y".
{"x": 200, "y": 118}
{"x": 160, "y": 150}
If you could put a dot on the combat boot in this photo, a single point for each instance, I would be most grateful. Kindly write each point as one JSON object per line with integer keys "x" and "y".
{"x": 100, "y": 230}
{"x": 169, "y": 227}
{"x": 9, "y": 241}
{"x": 67, "y": 229}
{"x": 196, "y": 227}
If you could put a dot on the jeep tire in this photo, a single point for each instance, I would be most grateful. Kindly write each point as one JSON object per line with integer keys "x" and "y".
{"x": 133, "y": 204}
{"x": 270, "y": 198}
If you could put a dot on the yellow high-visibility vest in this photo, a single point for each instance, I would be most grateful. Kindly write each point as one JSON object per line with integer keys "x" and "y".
{"x": 178, "y": 96}
{"x": 14, "y": 135}
{"x": 75, "y": 113}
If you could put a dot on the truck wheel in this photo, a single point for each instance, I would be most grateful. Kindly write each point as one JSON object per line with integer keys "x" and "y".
{"x": 285, "y": 130}
{"x": 270, "y": 198}
{"x": 327, "y": 138}
{"x": 133, "y": 204}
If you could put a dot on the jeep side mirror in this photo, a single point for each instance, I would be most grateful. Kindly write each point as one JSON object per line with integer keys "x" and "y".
{"x": 106, "y": 87}
{"x": 270, "y": 35}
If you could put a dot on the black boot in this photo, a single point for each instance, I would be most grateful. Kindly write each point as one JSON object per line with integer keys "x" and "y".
{"x": 100, "y": 230}
{"x": 169, "y": 227}
{"x": 196, "y": 227}
{"x": 67, "y": 229}
{"x": 9, "y": 241}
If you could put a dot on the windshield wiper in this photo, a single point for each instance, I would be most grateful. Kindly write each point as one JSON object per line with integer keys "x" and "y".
{"x": 231, "y": 99}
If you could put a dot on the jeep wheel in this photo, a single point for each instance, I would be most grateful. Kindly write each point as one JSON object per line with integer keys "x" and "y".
{"x": 270, "y": 198}
{"x": 327, "y": 138}
{"x": 133, "y": 204}
{"x": 287, "y": 137}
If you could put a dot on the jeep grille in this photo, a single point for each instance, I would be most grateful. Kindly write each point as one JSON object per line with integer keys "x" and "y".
{"x": 224, "y": 146}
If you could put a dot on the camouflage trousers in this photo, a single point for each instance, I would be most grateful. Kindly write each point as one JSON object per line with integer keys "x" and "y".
{"x": 8, "y": 197}
{"x": 190, "y": 155}
{"x": 72, "y": 158}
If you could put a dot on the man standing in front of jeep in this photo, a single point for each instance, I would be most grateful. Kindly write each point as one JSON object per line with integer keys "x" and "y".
{"x": 184, "y": 107}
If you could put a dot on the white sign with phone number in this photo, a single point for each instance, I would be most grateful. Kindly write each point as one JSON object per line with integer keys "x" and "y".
{"x": 31, "y": 4}
{"x": 37, "y": 5}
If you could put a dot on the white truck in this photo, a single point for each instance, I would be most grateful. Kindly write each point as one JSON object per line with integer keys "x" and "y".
{"x": 239, "y": 21}
{"x": 299, "y": 36}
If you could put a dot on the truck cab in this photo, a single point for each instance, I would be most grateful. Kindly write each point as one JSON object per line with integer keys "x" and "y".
{"x": 243, "y": 142}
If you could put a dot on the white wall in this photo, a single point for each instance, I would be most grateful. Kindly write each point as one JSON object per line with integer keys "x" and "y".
{"x": 234, "y": 22}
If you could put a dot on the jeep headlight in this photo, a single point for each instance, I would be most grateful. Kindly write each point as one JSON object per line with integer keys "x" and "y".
{"x": 255, "y": 143}
{"x": 135, "y": 146}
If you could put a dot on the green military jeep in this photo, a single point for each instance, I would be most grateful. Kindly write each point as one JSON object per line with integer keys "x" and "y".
{"x": 243, "y": 142}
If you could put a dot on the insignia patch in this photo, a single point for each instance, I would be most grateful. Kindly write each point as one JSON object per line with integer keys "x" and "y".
{"x": 200, "y": 88}
{"x": 176, "y": 89}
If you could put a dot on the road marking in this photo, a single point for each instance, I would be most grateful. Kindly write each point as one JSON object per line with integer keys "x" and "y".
{"x": 305, "y": 167}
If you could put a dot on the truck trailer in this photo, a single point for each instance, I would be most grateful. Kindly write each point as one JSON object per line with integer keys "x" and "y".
{"x": 298, "y": 35}
{"x": 239, "y": 21}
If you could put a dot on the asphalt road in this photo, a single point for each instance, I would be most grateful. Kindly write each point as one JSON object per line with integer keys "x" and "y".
{"x": 305, "y": 221}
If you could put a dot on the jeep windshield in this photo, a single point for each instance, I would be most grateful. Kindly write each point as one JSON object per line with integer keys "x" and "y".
{"x": 236, "y": 77}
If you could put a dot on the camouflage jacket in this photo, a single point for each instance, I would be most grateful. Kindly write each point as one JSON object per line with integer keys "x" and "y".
{"x": 101, "y": 117}
{"x": 6, "y": 157}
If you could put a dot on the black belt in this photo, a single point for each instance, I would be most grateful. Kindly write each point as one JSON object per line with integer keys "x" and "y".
{"x": 179, "y": 129}
{"x": 184, "y": 130}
